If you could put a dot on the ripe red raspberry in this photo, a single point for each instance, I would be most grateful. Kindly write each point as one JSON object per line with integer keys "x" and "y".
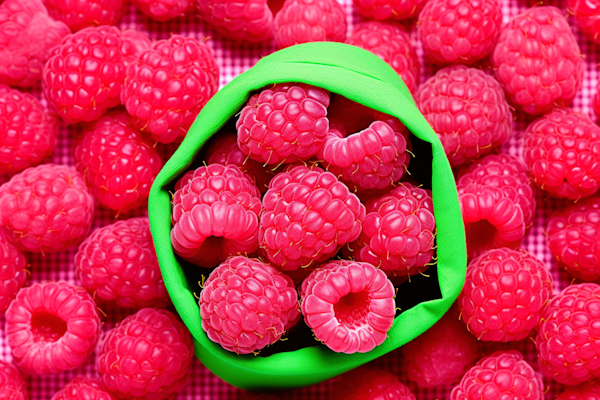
{"x": 162, "y": 10}
{"x": 308, "y": 215}
{"x": 389, "y": 9}
{"x": 459, "y": 32}
{"x": 467, "y": 109}
{"x": 52, "y": 327}
{"x": 566, "y": 343}
{"x": 240, "y": 20}
{"x": 596, "y": 100}
{"x": 27, "y": 36}
{"x": 83, "y": 13}
{"x": 117, "y": 162}
{"x": 247, "y": 305}
{"x": 27, "y": 132}
{"x": 166, "y": 86}
{"x": 303, "y": 21}
{"x": 284, "y": 123}
{"x": 215, "y": 215}
{"x": 390, "y": 42}
{"x": 587, "y": 17}
{"x": 46, "y": 209}
{"x": 368, "y": 383}
{"x": 76, "y": 79}
{"x": 12, "y": 384}
{"x": 500, "y": 376}
{"x": 13, "y": 272}
{"x": 81, "y": 388}
{"x": 118, "y": 263}
{"x": 497, "y": 202}
{"x": 562, "y": 151}
{"x": 147, "y": 356}
{"x": 590, "y": 391}
{"x": 537, "y": 60}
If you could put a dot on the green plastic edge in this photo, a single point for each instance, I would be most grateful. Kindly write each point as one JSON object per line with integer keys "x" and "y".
{"x": 362, "y": 77}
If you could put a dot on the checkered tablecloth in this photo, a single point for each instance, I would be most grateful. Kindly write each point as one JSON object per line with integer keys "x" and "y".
{"x": 233, "y": 59}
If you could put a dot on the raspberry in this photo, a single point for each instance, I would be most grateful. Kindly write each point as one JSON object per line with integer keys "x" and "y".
{"x": 76, "y": 80}
{"x": 537, "y": 60}
{"x": 118, "y": 163}
{"x": 83, "y": 13}
{"x": 162, "y": 10}
{"x": 118, "y": 263}
{"x": 468, "y": 111}
{"x": 13, "y": 272}
{"x": 308, "y": 215}
{"x": 386, "y": 9}
{"x": 215, "y": 215}
{"x": 390, "y": 42}
{"x": 596, "y": 100}
{"x": 284, "y": 123}
{"x": 167, "y": 86}
{"x": 261, "y": 397}
{"x": 590, "y": 391}
{"x": 562, "y": 151}
{"x": 502, "y": 375}
{"x": 83, "y": 388}
{"x": 147, "y": 356}
{"x": 303, "y": 21}
{"x": 497, "y": 202}
{"x": 349, "y": 305}
{"x": 46, "y": 209}
{"x": 11, "y": 382}
{"x": 566, "y": 342}
{"x": 27, "y": 36}
{"x": 368, "y": 383}
{"x": 587, "y": 17}
{"x": 247, "y": 305}
{"x": 52, "y": 327}
{"x": 240, "y": 20}
{"x": 27, "y": 132}
{"x": 459, "y": 32}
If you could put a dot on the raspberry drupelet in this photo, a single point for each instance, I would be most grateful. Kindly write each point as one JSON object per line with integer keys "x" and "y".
{"x": 369, "y": 383}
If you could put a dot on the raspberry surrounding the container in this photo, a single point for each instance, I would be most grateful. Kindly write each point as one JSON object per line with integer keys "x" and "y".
{"x": 166, "y": 86}
{"x": 390, "y": 42}
{"x": 83, "y": 13}
{"x": 162, "y": 10}
{"x": 27, "y": 36}
{"x": 500, "y": 376}
{"x": 562, "y": 151}
{"x": 148, "y": 356}
{"x": 308, "y": 215}
{"x": 52, "y": 327}
{"x": 240, "y": 20}
{"x": 46, "y": 209}
{"x": 368, "y": 383}
{"x": 284, "y": 123}
{"x": 349, "y": 305}
{"x": 13, "y": 273}
{"x": 117, "y": 162}
{"x": 27, "y": 132}
{"x": 389, "y": 9}
{"x": 303, "y": 21}
{"x": 537, "y": 60}
{"x": 566, "y": 344}
{"x": 497, "y": 201}
{"x": 582, "y": 392}
{"x": 247, "y": 305}
{"x": 81, "y": 388}
{"x": 587, "y": 17}
{"x": 467, "y": 109}
{"x": 118, "y": 263}
{"x": 12, "y": 384}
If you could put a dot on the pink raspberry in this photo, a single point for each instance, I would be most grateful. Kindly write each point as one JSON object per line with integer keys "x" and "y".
{"x": 240, "y": 20}
{"x": 27, "y": 132}
{"x": 308, "y": 215}
{"x": 537, "y": 60}
{"x": 467, "y": 109}
{"x": 75, "y": 79}
{"x": 83, "y": 13}
{"x": 81, "y": 388}
{"x": 147, "y": 356}
{"x": 167, "y": 86}
{"x": 596, "y": 100}
{"x": 503, "y": 375}
{"x": 215, "y": 215}
{"x": 247, "y": 305}
{"x": 303, "y": 21}
{"x": 562, "y": 151}
{"x": 349, "y": 305}
{"x": 368, "y": 383}
{"x": 284, "y": 123}
{"x": 497, "y": 202}
{"x": 505, "y": 295}
{"x": 52, "y": 327}
{"x": 118, "y": 163}
{"x": 389, "y": 9}
{"x": 587, "y": 17}
{"x": 13, "y": 272}
{"x": 12, "y": 383}
{"x": 390, "y": 42}
{"x": 118, "y": 263}
{"x": 163, "y": 10}
{"x": 590, "y": 391}
{"x": 459, "y": 32}
{"x": 46, "y": 209}
{"x": 566, "y": 343}
{"x": 27, "y": 36}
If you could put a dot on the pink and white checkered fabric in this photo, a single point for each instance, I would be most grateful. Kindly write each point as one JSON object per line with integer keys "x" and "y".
{"x": 234, "y": 59}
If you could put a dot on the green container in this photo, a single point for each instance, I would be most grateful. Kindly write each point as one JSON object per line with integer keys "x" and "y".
{"x": 366, "y": 79}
